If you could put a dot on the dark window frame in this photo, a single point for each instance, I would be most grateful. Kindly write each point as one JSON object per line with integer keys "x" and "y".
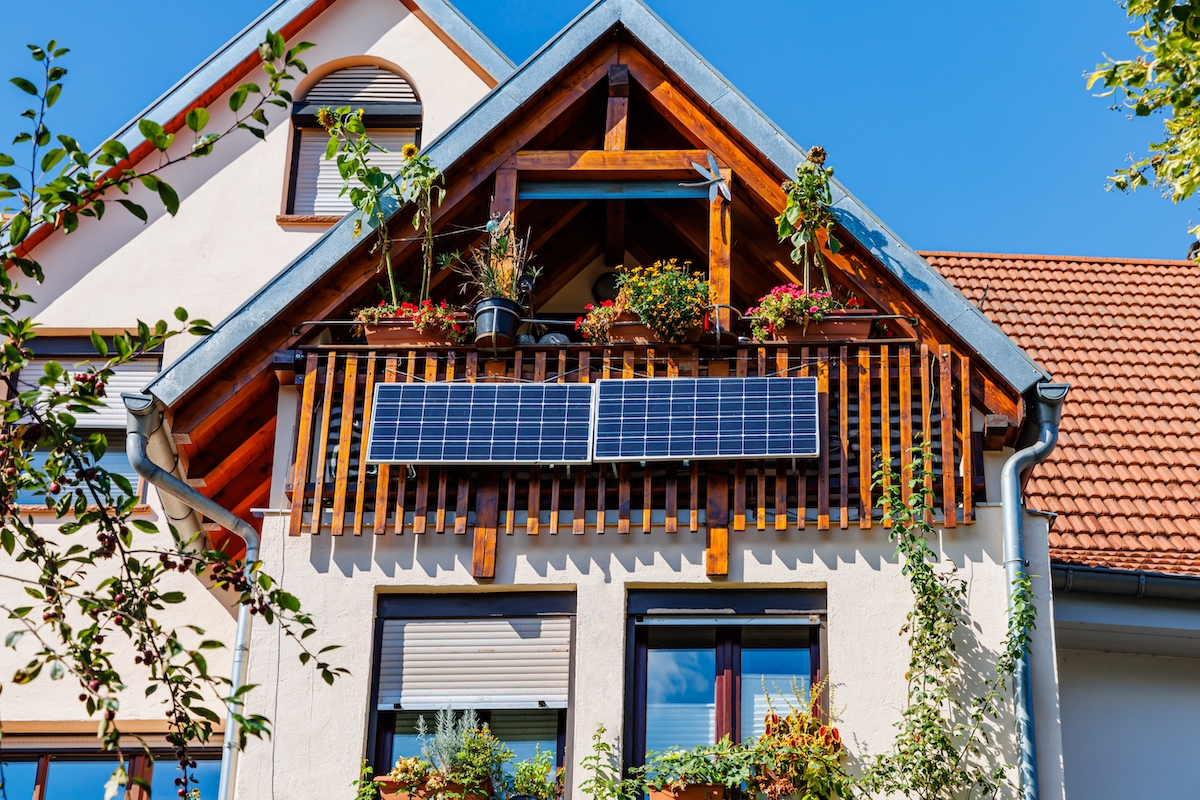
{"x": 728, "y": 607}
{"x": 464, "y": 605}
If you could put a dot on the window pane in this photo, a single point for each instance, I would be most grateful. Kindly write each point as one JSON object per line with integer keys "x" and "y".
{"x": 206, "y": 778}
{"x": 681, "y": 666}
{"x": 17, "y": 779}
{"x": 525, "y": 731}
{"x": 775, "y": 672}
{"x": 78, "y": 779}
{"x": 115, "y": 460}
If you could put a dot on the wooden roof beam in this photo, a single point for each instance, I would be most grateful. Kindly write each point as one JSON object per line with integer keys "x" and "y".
{"x": 610, "y": 164}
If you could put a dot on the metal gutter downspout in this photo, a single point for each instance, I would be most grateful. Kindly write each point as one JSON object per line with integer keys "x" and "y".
{"x": 1050, "y": 398}
{"x": 144, "y": 421}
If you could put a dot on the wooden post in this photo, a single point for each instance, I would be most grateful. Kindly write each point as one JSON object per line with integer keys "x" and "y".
{"x": 716, "y": 553}
{"x": 342, "y": 475}
{"x": 946, "y": 407}
{"x": 383, "y": 477}
{"x": 906, "y": 422}
{"x": 504, "y": 200}
{"x": 885, "y": 426}
{"x": 616, "y": 126}
{"x": 303, "y": 445}
{"x": 964, "y": 381}
{"x": 719, "y": 251}
{"x": 487, "y": 509}
{"x": 864, "y": 438}
{"x": 844, "y": 438}
{"x": 361, "y": 485}
{"x": 823, "y": 432}
{"x": 323, "y": 442}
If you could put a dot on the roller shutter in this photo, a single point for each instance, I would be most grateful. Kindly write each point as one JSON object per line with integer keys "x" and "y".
{"x": 363, "y": 84}
{"x": 316, "y": 180}
{"x": 131, "y": 377}
{"x": 475, "y": 663}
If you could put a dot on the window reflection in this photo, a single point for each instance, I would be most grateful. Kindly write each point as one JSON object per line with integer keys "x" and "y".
{"x": 205, "y": 777}
{"x": 522, "y": 730}
{"x": 78, "y": 779}
{"x": 681, "y": 668}
{"x": 17, "y": 779}
{"x": 775, "y": 674}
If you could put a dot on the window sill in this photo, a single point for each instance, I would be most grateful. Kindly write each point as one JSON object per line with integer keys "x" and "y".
{"x": 307, "y": 220}
{"x": 39, "y": 512}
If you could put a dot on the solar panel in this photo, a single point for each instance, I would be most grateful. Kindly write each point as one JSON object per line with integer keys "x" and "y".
{"x": 686, "y": 418}
{"x": 468, "y": 423}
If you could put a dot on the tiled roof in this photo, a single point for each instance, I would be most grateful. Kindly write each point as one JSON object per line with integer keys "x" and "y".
{"x": 1125, "y": 478}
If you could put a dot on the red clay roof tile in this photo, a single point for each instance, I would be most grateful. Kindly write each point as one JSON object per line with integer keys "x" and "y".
{"x": 1126, "y": 334}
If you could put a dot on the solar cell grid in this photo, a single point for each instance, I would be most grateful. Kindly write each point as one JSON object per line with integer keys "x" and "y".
{"x": 685, "y": 418}
{"x": 415, "y": 423}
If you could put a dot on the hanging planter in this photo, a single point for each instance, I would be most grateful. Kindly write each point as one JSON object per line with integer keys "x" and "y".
{"x": 497, "y": 320}
{"x": 392, "y": 789}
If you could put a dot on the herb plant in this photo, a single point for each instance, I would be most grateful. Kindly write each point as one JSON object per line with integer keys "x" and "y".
{"x": 537, "y": 778}
{"x": 724, "y": 764}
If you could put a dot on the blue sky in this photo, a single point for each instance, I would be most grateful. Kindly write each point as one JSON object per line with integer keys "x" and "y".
{"x": 964, "y": 126}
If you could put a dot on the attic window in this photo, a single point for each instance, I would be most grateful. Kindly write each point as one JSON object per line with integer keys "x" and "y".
{"x": 391, "y": 111}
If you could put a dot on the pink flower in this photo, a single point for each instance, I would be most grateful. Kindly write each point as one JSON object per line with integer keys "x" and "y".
{"x": 813, "y": 310}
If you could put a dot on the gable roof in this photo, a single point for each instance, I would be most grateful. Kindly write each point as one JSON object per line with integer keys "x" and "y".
{"x": 926, "y": 284}
{"x": 282, "y": 15}
{"x": 1126, "y": 334}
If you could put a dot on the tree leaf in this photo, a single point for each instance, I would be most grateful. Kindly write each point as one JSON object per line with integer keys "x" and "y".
{"x": 52, "y": 94}
{"x": 145, "y": 526}
{"x": 24, "y": 86}
{"x": 197, "y": 118}
{"x": 169, "y": 198}
{"x": 18, "y": 229}
{"x": 134, "y": 208}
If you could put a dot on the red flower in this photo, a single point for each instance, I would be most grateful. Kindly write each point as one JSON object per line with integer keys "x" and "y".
{"x": 588, "y": 307}
{"x": 578, "y": 323}
{"x": 607, "y": 304}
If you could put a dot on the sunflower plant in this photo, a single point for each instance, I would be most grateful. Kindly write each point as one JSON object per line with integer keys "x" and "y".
{"x": 377, "y": 193}
{"x": 667, "y": 297}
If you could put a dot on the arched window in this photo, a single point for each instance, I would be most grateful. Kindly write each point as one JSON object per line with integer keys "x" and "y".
{"x": 392, "y": 113}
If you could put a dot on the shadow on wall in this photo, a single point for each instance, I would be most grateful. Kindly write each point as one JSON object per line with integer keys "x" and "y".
{"x": 753, "y": 555}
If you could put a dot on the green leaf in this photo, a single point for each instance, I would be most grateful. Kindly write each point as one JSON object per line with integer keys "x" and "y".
{"x": 18, "y": 229}
{"x": 169, "y": 198}
{"x": 331, "y": 148}
{"x": 6, "y": 160}
{"x": 99, "y": 344}
{"x": 201, "y": 711}
{"x": 173, "y": 597}
{"x": 149, "y": 181}
{"x": 145, "y": 526}
{"x": 52, "y": 157}
{"x": 197, "y": 118}
{"x": 134, "y": 208}
{"x": 181, "y": 314}
{"x": 52, "y": 94}
{"x": 238, "y": 98}
{"x": 287, "y": 601}
{"x": 24, "y": 86}
{"x": 150, "y": 129}
{"x": 115, "y": 149}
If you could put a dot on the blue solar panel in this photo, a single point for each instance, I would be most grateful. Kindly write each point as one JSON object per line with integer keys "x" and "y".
{"x": 686, "y": 418}
{"x": 478, "y": 423}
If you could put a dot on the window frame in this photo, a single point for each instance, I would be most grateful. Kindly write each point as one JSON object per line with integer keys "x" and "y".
{"x": 139, "y": 765}
{"x": 477, "y": 605}
{"x": 736, "y": 611}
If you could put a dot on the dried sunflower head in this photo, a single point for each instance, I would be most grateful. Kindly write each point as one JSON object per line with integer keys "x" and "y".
{"x": 325, "y": 119}
{"x": 816, "y": 155}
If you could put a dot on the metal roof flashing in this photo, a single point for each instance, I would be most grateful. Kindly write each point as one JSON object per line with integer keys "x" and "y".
{"x": 915, "y": 273}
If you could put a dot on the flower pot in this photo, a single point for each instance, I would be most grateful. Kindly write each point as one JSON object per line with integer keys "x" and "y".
{"x": 629, "y": 329}
{"x": 497, "y": 321}
{"x": 402, "y": 332}
{"x": 843, "y": 324}
{"x": 697, "y": 791}
{"x": 391, "y": 790}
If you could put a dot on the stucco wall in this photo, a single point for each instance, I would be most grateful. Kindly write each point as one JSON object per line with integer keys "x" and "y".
{"x": 1129, "y": 725}
{"x": 225, "y": 243}
{"x": 339, "y": 579}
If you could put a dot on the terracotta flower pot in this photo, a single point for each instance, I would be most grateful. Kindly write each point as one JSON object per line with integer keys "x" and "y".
{"x": 698, "y": 791}
{"x": 629, "y": 329}
{"x": 839, "y": 325}
{"x": 402, "y": 332}
{"x": 391, "y": 790}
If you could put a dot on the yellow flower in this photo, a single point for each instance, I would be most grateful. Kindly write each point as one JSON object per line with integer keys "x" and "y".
{"x": 409, "y": 150}
{"x": 325, "y": 119}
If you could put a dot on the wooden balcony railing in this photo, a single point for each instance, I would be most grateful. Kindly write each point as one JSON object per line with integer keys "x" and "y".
{"x": 875, "y": 400}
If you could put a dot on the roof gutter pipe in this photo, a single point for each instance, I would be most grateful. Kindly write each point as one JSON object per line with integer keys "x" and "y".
{"x": 1128, "y": 583}
{"x": 1050, "y": 398}
{"x": 144, "y": 426}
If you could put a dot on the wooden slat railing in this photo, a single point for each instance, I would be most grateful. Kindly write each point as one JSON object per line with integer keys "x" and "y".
{"x": 876, "y": 401}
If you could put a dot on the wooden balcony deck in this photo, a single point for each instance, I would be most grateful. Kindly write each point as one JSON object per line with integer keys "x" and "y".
{"x": 875, "y": 400}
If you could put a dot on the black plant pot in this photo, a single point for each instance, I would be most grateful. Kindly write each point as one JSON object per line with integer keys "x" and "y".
{"x": 496, "y": 323}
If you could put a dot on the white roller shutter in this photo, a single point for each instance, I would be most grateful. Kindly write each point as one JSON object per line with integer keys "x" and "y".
{"x": 475, "y": 663}
{"x": 317, "y": 181}
{"x": 362, "y": 84}
{"x": 131, "y": 377}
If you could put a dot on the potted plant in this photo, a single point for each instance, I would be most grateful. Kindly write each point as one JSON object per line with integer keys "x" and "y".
{"x": 537, "y": 778}
{"x": 597, "y": 322}
{"x": 500, "y": 271}
{"x": 665, "y": 302}
{"x": 708, "y": 772}
{"x": 789, "y": 313}
{"x": 461, "y": 760}
{"x": 807, "y": 215}
{"x": 425, "y": 324}
{"x": 798, "y": 756}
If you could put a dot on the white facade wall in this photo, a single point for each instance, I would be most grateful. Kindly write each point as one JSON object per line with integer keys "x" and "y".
{"x": 340, "y": 580}
{"x": 1129, "y": 725}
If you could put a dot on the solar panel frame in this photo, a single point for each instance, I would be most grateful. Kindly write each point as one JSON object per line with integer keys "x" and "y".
{"x": 488, "y": 425}
{"x": 638, "y": 411}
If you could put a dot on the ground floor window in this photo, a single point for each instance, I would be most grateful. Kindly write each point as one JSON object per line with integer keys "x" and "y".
{"x": 705, "y": 665}
{"x": 73, "y": 775}
{"x": 506, "y": 656}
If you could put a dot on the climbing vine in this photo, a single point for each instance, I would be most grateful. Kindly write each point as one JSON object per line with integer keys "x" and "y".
{"x": 940, "y": 746}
